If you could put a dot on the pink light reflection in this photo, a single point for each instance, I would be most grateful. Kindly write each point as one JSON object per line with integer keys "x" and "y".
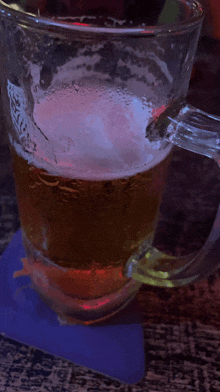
{"x": 101, "y": 303}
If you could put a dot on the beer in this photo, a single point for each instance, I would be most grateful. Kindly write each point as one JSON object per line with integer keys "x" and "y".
{"x": 84, "y": 225}
{"x": 86, "y": 212}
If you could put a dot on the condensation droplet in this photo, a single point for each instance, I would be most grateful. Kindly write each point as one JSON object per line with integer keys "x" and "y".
{"x": 74, "y": 193}
{"x": 49, "y": 183}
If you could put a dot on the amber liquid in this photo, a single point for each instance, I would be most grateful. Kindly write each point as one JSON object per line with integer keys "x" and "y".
{"x": 89, "y": 227}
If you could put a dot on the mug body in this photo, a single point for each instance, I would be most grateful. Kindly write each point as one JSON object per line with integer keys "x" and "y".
{"x": 78, "y": 96}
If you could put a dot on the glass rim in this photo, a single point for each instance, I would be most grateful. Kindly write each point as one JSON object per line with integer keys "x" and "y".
{"x": 56, "y": 24}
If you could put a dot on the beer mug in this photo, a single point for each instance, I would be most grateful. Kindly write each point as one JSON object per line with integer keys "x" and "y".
{"x": 94, "y": 105}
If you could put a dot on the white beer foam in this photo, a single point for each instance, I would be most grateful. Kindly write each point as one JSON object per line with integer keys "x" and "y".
{"x": 93, "y": 133}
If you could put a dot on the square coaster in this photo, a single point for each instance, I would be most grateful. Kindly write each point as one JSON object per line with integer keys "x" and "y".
{"x": 115, "y": 348}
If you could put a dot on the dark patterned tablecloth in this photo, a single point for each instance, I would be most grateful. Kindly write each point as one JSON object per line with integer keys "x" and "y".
{"x": 182, "y": 325}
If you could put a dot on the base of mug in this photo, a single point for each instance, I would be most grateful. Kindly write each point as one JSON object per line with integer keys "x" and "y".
{"x": 70, "y": 309}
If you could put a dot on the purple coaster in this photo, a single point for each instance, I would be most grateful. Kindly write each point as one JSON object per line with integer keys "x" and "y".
{"x": 115, "y": 348}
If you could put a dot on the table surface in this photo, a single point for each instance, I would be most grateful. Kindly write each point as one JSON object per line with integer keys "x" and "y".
{"x": 182, "y": 325}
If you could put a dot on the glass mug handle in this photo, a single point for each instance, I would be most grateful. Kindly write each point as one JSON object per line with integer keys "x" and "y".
{"x": 199, "y": 132}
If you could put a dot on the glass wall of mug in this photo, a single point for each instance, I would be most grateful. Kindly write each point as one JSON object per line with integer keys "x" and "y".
{"x": 78, "y": 94}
